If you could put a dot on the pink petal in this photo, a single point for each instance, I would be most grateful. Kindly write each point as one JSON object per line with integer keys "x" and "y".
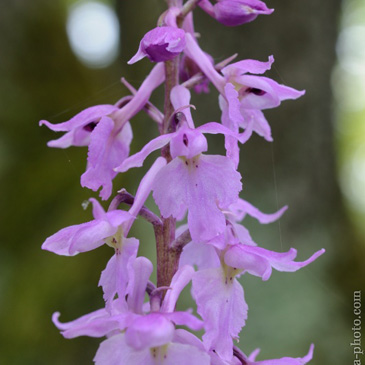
{"x": 94, "y": 324}
{"x": 204, "y": 185}
{"x": 222, "y": 306}
{"x": 213, "y": 186}
{"x": 291, "y": 266}
{"x": 115, "y": 351}
{"x": 258, "y": 261}
{"x": 155, "y": 78}
{"x": 77, "y": 134}
{"x": 187, "y": 142}
{"x": 59, "y": 242}
{"x": 106, "y": 151}
{"x": 232, "y": 118}
{"x": 202, "y": 255}
{"x": 117, "y": 217}
{"x": 194, "y": 52}
{"x": 240, "y": 258}
{"x": 69, "y": 139}
{"x": 216, "y": 128}
{"x": 138, "y": 56}
{"x": 230, "y": 143}
{"x": 233, "y": 104}
{"x": 138, "y": 278}
{"x": 98, "y": 210}
{"x": 81, "y": 119}
{"x": 242, "y": 207}
{"x": 270, "y": 97}
{"x": 143, "y": 191}
{"x": 187, "y": 338}
{"x": 285, "y": 92}
{"x": 243, "y": 234}
{"x": 114, "y": 278}
{"x": 137, "y": 159}
{"x": 86, "y": 236}
{"x": 169, "y": 189}
{"x": 185, "y": 319}
{"x": 181, "y": 278}
{"x": 256, "y": 92}
{"x": 286, "y": 360}
{"x": 255, "y": 120}
{"x": 247, "y": 66}
{"x": 152, "y": 330}
{"x": 89, "y": 237}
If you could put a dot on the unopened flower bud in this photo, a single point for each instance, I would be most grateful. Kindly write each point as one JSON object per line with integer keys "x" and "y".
{"x": 160, "y": 44}
{"x": 236, "y": 12}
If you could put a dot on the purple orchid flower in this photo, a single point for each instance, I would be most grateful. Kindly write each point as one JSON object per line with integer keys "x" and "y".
{"x": 221, "y": 303}
{"x": 216, "y": 290}
{"x": 107, "y": 132}
{"x": 220, "y": 298}
{"x": 201, "y": 184}
{"x": 85, "y": 237}
{"x": 235, "y": 12}
{"x": 146, "y": 337}
{"x": 150, "y": 338}
{"x": 107, "y": 227}
{"x": 160, "y": 44}
{"x": 111, "y": 228}
{"x": 243, "y": 97}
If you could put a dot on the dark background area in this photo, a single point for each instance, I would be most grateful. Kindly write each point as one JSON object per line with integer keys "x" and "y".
{"x": 41, "y": 78}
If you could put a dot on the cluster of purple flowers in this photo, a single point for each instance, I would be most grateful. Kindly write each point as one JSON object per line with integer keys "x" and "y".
{"x": 213, "y": 249}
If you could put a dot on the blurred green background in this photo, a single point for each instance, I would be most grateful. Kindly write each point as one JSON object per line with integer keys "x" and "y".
{"x": 316, "y": 165}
